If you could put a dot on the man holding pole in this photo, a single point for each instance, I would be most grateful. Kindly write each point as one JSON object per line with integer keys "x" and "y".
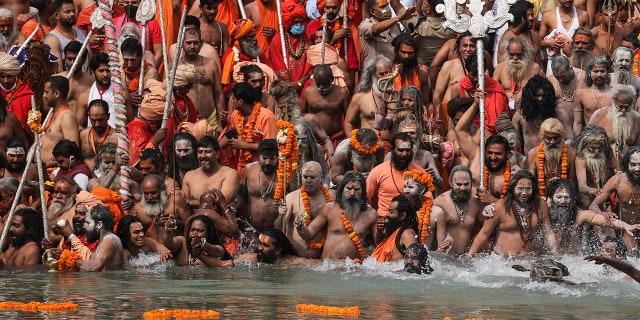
{"x": 264, "y": 14}
{"x": 296, "y": 43}
{"x": 244, "y": 47}
{"x": 17, "y": 95}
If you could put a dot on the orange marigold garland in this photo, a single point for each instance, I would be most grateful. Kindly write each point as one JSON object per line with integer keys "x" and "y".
{"x": 506, "y": 175}
{"x": 307, "y": 214}
{"x": 362, "y": 149}
{"x": 34, "y": 120}
{"x": 636, "y": 66}
{"x": 247, "y": 136}
{"x": 287, "y": 155}
{"x": 541, "y": 175}
{"x": 68, "y": 260}
{"x": 424, "y": 215}
{"x": 327, "y": 310}
{"x": 34, "y": 306}
{"x": 181, "y": 314}
{"x": 354, "y": 237}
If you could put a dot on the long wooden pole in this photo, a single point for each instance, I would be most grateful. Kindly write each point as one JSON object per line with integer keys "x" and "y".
{"x": 174, "y": 67}
{"x": 282, "y": 35}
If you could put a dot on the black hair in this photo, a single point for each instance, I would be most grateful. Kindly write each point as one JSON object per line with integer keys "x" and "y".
{"x": 32, "y": 222}
{"x": 268, "y": 147}
{"x": 423, "y": 255}
{"x": 74, "y": 47}
{"x": 519, "y": 11}
{"x": 57, "y": 4}
{"x": 123, "y": 231}
{"x": 248, "y": 69}
{"x": 101, "y": 213}
{"x": 59, "y": 83}
{"x": 131, "y": 45}
{"x": 211, "y": 235}
{"x": 457, "y": 105}
{"x": 282, "y": 242}
{"x": 101, "y": 103}
{"x": 245, "y": 92}
{"x": 192, "y": 21}
{"x": 97, "y": 60}
{"x": 530, "y": 108}
{"x": 352, "y": 176}
{"x": 67, "y": 148}
{"x": 499, "y": 140}
{"x": 153, "y": 154}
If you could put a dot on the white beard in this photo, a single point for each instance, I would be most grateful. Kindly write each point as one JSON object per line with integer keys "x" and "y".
{"x": 621, "y": 126}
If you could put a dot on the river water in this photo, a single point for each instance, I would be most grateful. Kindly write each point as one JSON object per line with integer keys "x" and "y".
{"x": 485, "y": 287}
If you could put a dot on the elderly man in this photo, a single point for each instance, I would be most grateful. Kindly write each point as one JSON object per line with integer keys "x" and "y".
{"x": 107, "y": 172}
{"x": 63, "y": 204}
{"x": 517, "y": 68}
{"x": 620, "y": 120}
{"x": 244, "y": 47}
{"x": 25, "y": 234}
{"x": 108, "y": 255}
{"x": 10, "y": 36}
{"x": 582, "y": 49}
{"x": 297, "y": 41}
{"x": 623, "y": 73}
{"x": 349, "y": 218}
{"x": 594, "y": 163}
{"x": 399, "y": 232}
{"x": 307, "y": 202}
{"x": 596, "y": 95}
{"x": 361, "y": 153}
{"x": 553, "y": 158}
{"x": 521, "y": 26}
{"x": 15, "y": 92}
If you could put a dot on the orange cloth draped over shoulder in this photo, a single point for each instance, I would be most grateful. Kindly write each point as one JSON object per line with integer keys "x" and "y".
{"x": 238, "y": 29}
{"x": 400, "y": 83}
{"x": 112, "y": 200}
{"x": 384, "y": 250}
{"x": 228, "y": 12}
{"x": 171, "y": 24}
{"x": 269, "y": 19}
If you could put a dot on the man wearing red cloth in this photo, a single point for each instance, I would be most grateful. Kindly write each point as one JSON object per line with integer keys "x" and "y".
{"x": 17, "y": 96}
{"x": 335, "y": 23}
{"x": 399, "y": 231}
{"x": 495, "y": 99}
{"x": 296, "y": 43}
{"x": 145, "y": 131}
{"x": 131, "y": 50}
{"x": 244, "y": 47}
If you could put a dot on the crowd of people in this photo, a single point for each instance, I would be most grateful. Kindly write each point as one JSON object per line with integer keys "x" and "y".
{"x": 348, "y": 131}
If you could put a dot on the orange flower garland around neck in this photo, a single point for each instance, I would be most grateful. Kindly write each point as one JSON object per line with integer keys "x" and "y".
{"x": 68, "y": 260}
{"x": 424, "y": 215}
{"x": 354, "y": 237}
{"x": 307, "y": 214}
{"x": 333, "y": 311}
{"x": 35, "y": 306}
{"x": 362, "y": 149}
{"x": 636, "y": 63}
{"x": 181, "y": 314}
{"x": 287, "y": 155}
{"x": 247, "y": 136}
{"x": 7, "y": 96}
{"x": 541, "y": 174}
{"x": 506, "y": 176}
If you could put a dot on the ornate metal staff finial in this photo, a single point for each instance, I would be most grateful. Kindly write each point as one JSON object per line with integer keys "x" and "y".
{"x": 477, "y": 24}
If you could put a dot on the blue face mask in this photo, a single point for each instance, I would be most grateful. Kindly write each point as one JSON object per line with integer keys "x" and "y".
{"x": 297, "y": 29}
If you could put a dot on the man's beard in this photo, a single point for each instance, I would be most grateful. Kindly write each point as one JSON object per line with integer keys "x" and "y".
{"x": 597, "y": 166}
{"x": 391, "y": 225}
{"x": 187, "y": 163}
{"x": 621, "y": 125}
{"x": 253, "y": 51}
{"x": 351, "y": 206}
{"x": 59, "y": 206}
{"x": 409, "y": 67}
{"x": 553, "y": 153}
{"x": 560, "y": 215}
{"x": 155, "y": 207}
{"x": 93, "y": 235}
{"x": 624, "y": 76}
{"x": 460, "y": 196}
{"x": 78, "y": 226}
{"x": 363, "y": 163}
{"x": 262, "y": 258}
{"x": 497, "y": 167}
{"x": 68, "y": 23}
{"x": 206, "y": 166}
{"x": 325, "y": 91}
{"x": 375, "y": 88}
{"x": 115, "y": 184}
{"x": 20, "y": 169}
{"x": 19, "y": 240}
{"x": 400, "y": 162}
{"x": 268, "y": 169}
{"x": 580, "y": 58}
{"x": 516, "y": 68}
{"x": 306, "y": 151}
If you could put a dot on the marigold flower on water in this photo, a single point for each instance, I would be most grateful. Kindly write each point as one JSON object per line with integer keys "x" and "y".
{"x": 181, "y": 314}
{"x": 327, "y": 310}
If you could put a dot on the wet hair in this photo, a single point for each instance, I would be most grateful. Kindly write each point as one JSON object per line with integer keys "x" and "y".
{"x": 423, "y": 256}
{"x": 101, "y": 213}
{"x": 105, "y": 148}
{"x": 245, "y": 92}
{"x": 75, "y": 188}
{"x": 208, "y": 142}
{"x": 366, "y": 137}
{"x": 560, "y": 63}
{"x": 248, "y": 69}
{"x": 10, "y": 185}
{"x": 410, "y": 220}
{"x": 460, "y": 168}
{"x": 529, "y": 107}
{"x": 155, "y": 155}
{"x": 32, "y": 222}
{"x": 211, "y": 235}
{"x": 592, "y": 133}
{"x": 131, "y": 45}
{"x": 599, "y": 60}
{"x": 74, "y": 47}
{"x": 621, "y": 248}
{"x": 509, "y": 197}
{"x": 369, "y": 71}
{"x": 67, "y": 148}
{"x": 192, "y": 21}
{"x": 519, "y": 11}
{"x": 560, "y": 184}
{"x": 281, "y": 242}
{"x": 624, "y": 90}
{"x": 402, "y": 136}
{"x": 499, "y": 140}
{"x": 268, "y": 147}
{"x": 123, "y": 232}
{"x": 59, "y": 83}
{"x": 101, "y": 103}
{"x": 352, "y": 176}
{"x": 457, "y": 105}
{"x": 627, "y": 157}
{"x": 97, "y": 60}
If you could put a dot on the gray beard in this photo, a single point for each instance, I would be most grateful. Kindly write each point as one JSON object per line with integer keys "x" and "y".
{"x": 580, "y": 58}
{"x": 559, "y": 216}
{"x": 621, "y": 126}
{"x": 374, "y": 87}
{"x": 351, "y": 206}
{"x": 623, "y": 76}
{"x": 553, "y": 154}
{"x": 156, "y": 208}
{"x": 597, "y": 166}
{"x": 56, "y": 209}
{"x": 516, "y": 68}
{"x": 250, "y": 50}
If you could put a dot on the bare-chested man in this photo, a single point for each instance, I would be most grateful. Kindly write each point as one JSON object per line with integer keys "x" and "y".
{"x": 566, "y": 19}
{"x": 207, "y": 50}
{"x": 348, "y": 213}
{"x": 455, "y": 213}
{"x": 582, "y": 50}
{"x": 210, "y": 175}
{"x": 594, "y": 163}
{"x": 132, "y": 61}
{"x": 11, "y": 35}
{"x": 206, "y": 93}
{"x": 538, "y": 103}
{"x": 505, "y": 128}
{"x": 622, "y": 59}
{"x": 360, "y": 153}
{"x": 63, "y": 123}
{"x": 98, "y": 133}
{"x": 516, "y": 69}
{"x": 328, "y": 102}
{"x": 620, "y": 120}
{"x": 608, "y": 35}
{"x": 565, "y": 80}
{"x": 423, "y": 158}
{"x": 367, "y": 100}
{"x": 80, "y": 82}
{"x": 108, "y": 255}
{"x": 25, "y": 234}
{"x": 626, "y": 184}
{"x": 15, "y": 163}
{"x": 596, "y": 94}
{"x": 522, "y": 219}
{"x": 523, "y": 19}
{"x": 213, "y": 31}
{"x": 306, "y": 202}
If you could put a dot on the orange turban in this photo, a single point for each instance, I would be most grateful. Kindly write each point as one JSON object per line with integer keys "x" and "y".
{"x": 152, "y": 106}
{"x": 240, "y": 29}
{"x": 199, "y": 129}
{"x": 321, "y": 4}
{"x": 185, "y": 74}
{"x": 112, "y": 200}
{"x": 87, "y": 199}
{"x": 290, "y": 11}
{"x": 551, "y": 126}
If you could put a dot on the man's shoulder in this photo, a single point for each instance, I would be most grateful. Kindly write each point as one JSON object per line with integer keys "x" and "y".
{"x": 380, "y": 168}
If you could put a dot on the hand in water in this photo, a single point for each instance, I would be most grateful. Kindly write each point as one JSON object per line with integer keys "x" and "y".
{"x": 631, "y": 228}
{"x": 446, "y": 245}
{"x": 165, "y": 255}
{"x": 488, "y": 211}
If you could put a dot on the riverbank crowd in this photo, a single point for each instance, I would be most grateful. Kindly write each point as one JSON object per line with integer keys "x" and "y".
{"x": 286, "y": 131}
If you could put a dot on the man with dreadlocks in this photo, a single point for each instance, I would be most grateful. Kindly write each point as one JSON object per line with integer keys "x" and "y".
{"x": 360, "y": 153}
{"x": 593, "y": 163}
{"x": 537, "y": 105}
{"x": 405, "y": 58}
{"x": 522, "y": 219}
{"x": 399, "y": 232}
